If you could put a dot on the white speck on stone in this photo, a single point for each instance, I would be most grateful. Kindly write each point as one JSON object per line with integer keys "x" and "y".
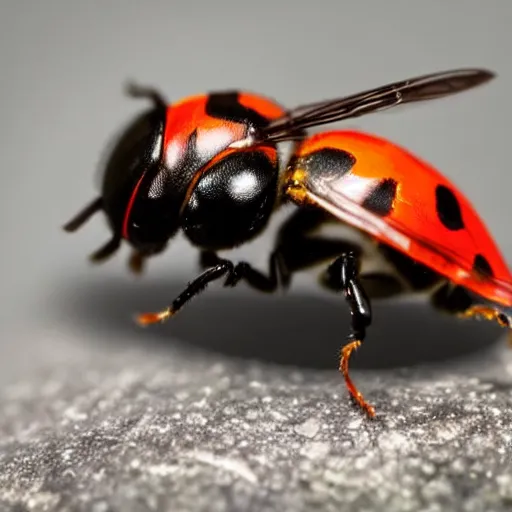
{"x": 229, "y": 440}
{"x": 393, "y": 441}
{"x": 161, "y": 429}
{"x": 73, "y": 414}
{"x": 234, "y": 466}
{"x": 316, "y": 450}
{"x": 334, "y": 477}
{"x": 161, "y": 470}
{"x": 277, "y": 416}
{"x": 100, "y": 506}
{"x": 135, "y": 463}
{"x": 43, "y": 501}
{"x": 69, "y": 473}
{"x": 200, "y": 404}
{"x": 98, "y": 476}
{"x": 355, "y": 424}
{"x": 428, "y": 468}
{"x": 66, "y": 454}
{"x": 229, "y": 410}
{"x": 252, "y": 414}
{"x": 308, "y": 429}
{"x": 196, "y": 419}
{"x": 505, "y": 486}
{"x": 436, "y": 489}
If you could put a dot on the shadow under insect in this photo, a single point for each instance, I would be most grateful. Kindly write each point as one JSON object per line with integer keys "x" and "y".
{"x": 293, "y": 329}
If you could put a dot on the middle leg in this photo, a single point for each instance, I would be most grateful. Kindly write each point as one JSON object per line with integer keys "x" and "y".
{"x": 344, "y": 274}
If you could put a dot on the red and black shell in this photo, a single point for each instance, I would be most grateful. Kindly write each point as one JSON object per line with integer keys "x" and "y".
{"x": 403, "y": 202}
{"x": 150, "y": 171}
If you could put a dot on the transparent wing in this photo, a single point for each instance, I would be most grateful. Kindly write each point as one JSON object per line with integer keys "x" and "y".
{"x": 421, "y": 88}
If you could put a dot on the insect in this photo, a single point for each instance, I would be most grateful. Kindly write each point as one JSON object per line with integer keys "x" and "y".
{"x": 209, "y": 165}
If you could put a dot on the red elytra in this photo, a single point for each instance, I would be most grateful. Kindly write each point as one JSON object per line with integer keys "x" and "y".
{"x": 427, "y": 217}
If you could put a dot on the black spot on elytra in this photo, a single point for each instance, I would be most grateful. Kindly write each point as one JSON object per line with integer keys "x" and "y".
{"x": 380, "y": 200}
{"x": 482, "y": 266}
{"x": 448, "y": 209}
{"x": 227, "y": 106}
{"x": 327, "y": 163}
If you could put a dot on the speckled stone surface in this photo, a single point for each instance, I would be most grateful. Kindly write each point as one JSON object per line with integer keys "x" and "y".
{"x": 201, "y": 437}
{"x": 172, "y": 426}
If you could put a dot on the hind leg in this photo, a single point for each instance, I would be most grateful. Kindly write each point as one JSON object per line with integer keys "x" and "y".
{"x": 459, "y": 301}
{"x": 344, "y": 275}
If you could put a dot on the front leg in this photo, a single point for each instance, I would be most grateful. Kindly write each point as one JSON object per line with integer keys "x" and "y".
{"x": 279, "y": 268}
{"x": 193, "y": 289}
{"x": 344, "y": 274}
{"x": 278, "y": 277}
{"x": 217, "y": 268}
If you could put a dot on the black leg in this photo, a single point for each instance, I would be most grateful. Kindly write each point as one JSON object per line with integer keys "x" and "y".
{"x": 295, "y": 250}
{"x": 106, "y": 250}
{"x": 345, "y": 273}
{"x": 140, "y": 91}
{"x": 193, "y": 289}
{"x": 84, "y": 215}
{"x": 215, "y": 269}
{"x": 278, "y": 277}
{"x": 136, "y": 262}
{"x": 459, "y": 301}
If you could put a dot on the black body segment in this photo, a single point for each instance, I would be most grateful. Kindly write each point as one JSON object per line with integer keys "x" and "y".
{"x": 232, "y": 200}
{"x": 136, "y": 151}
{"x": 155, "y": 216}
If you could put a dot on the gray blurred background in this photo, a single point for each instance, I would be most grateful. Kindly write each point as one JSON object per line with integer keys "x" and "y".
{"x": 63, "y": 67}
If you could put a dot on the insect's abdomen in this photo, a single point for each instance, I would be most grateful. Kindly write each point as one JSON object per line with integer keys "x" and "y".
{"x": 406, "y": 198}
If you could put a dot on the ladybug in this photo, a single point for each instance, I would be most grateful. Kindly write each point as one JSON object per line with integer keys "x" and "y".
{"x": 210, "y": 166}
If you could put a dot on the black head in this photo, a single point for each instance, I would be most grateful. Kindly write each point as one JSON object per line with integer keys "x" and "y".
{"x": 146, "y": 199}
{"x": 134, "y": 160}
{"x": 129, "y": 170}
